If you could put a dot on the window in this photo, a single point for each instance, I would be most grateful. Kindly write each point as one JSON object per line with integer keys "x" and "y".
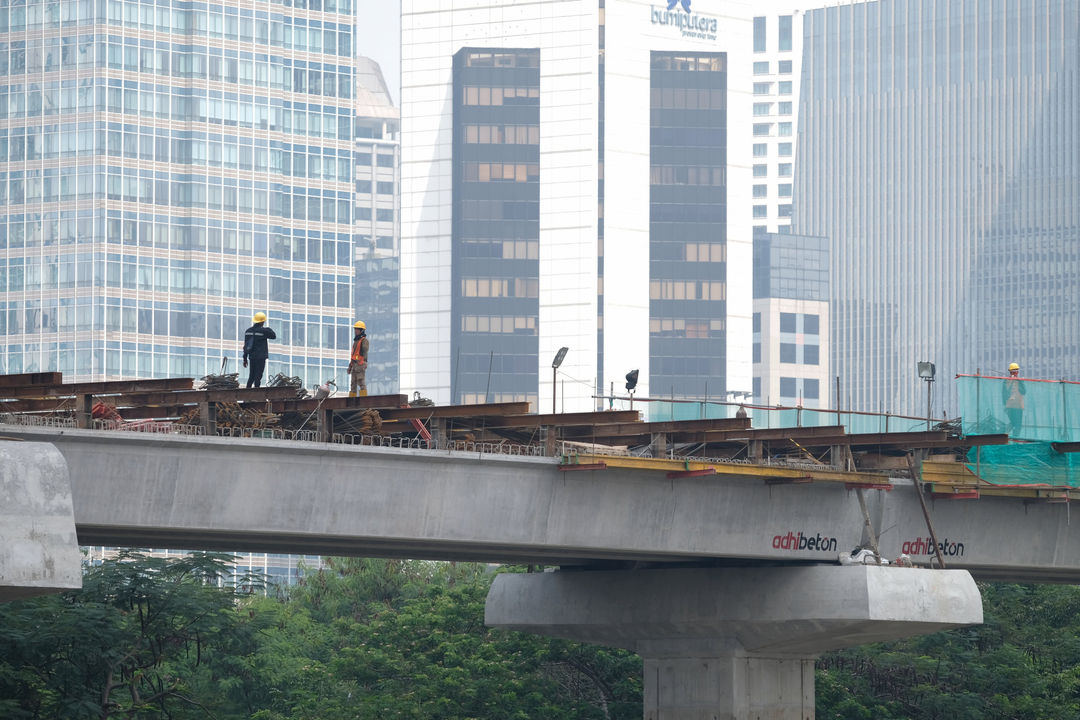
{"x": 762, "y": 109}
{"x": 756, "y": 322}
{"x": 785, "y": 67}
{"x": 784, "y": 149}
{"x": 784, "y": 190}
{"x": 759, "y": 34}
{"x": 761, "y": 191}
{"x": 811, "y": 324}
{"x": 762, "y": 129}
{"x": 761, "y": 68}
{"x": 761, "y": 149}
{"x": 761, "y": 211}
{"x": 787, "y": 387}
{"x": 810, "y": 389}
{"x": 756, "y": 385}
{"x": 785, "y": 33}
{"x": 784, "y": 211}
{"x": 785, "y": 129}
{"x": 762, "y": 88}
{"x": 787, "y": 322}
{"x": 783, "y": 169}
{"x": 785, "y": 108}
{"x": 785, "y": 87}
{"x": 787, "y": 352}
{"x": 756, "y": 353}
{"x": 384, "y": 188}
{"x": 761, "y": 170}
{"x": 810, "y": 354}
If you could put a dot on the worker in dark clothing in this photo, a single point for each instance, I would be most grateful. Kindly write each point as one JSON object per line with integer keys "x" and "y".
{"x": 255, "y": 348}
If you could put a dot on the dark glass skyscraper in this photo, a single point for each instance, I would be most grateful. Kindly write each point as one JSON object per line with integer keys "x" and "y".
{"x": 687, "y": 223}
{"x": 496, "y": 224}
{"x": 939, "y": 151}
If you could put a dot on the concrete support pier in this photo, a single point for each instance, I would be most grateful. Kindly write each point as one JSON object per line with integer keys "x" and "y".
{"x": 39, "y": 552}
{"x": 734, "y": 643}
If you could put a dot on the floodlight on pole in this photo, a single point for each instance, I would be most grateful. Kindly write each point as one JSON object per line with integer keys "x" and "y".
{"x": 631, "y": 383}
{"x": 559, "y": 356}
{"x": 927, "y": 372}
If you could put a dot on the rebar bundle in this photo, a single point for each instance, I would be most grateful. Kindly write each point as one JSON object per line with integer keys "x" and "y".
{"x": 220, "y": 382}
{"x": 282, "y": 380}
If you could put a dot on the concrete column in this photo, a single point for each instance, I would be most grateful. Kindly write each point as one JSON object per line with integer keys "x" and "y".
{"x": 734, "y": 643}
{"x": 39, "y": 552}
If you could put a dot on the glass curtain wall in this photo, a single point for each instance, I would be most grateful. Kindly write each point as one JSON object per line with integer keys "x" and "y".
{"x": 687, "y": 227}
{"x": 496, "y": 225}
{"x": 168, "y": 169}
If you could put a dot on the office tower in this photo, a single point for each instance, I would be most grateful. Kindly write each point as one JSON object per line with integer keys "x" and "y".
{"x": 568, "y": 180}
{"x": 377, "y": 229}
{"x": 791, "y": 320}
{"x": 777, "y": 44}
{"x": 169, "y": 169}
{"x": 939, "y": 149}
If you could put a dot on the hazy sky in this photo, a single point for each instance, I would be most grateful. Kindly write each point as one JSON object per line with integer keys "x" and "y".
{"x": 378, "y": 28}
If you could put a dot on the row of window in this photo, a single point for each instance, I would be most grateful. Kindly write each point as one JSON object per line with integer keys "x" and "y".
{"x": 364, "y": 187}
{"x": 500, "y": 287}
{"x": 784, "y": 87}
{"x": 228, "y": 110}
{"x": 766, "y": 129}
{"x": 789, "y": 388}
{"x": 762, "y": 211}
{"x": 364, "y": 214}
{"x": 782, "y": 169}
{"x": 761, "y": 109}
{"x": 763, "y": 67}
{"x": 682, "y": 327}
{"x": 806, "y": 323}
{"x": 500, "y": 95}
{"x": 782, "y": 149}
{"x": 706, "y": 252}
{"x": 688, "y": 98}
{"x": 686, "y": 175}
{"x": 500, "y": 249}
{"x": 686, "y": 290}
{"x": 782, "y": 190}
{"x": 500, "y": 172}
{"x": 198, "y": 19}
{"x": 518, "y": 325}
{"x": 502, "y": 59}
{"x": 502, "y": 134}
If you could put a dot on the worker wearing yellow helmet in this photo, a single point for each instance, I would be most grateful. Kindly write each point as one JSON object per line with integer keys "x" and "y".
{"x": 255, "y": 348}
{"x": 1013, "y": 396}
{"x": 358, "y": 360}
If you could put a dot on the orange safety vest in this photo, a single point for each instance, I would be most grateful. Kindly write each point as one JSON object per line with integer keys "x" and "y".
{"x": 356, "y": 357}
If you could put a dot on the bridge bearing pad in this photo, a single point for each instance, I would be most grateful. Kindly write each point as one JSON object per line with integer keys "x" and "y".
{"x": 734, "y": 643}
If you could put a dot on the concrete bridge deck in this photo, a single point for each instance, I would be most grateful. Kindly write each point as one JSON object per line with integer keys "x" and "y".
{"x": 132, "y": 489}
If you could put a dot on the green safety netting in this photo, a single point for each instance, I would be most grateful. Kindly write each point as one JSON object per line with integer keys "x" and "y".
{"x": 1025, "y": 463}
{"x": 1036, "y": 413}
{"x": 1025, "y": 409}
{"x": 660, "y": 411}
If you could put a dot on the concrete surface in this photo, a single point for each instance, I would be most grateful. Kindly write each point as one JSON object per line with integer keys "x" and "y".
{"x": 38, "y": 549}
{"x": 279, "y": 496}
{"x": 734, "y": 643}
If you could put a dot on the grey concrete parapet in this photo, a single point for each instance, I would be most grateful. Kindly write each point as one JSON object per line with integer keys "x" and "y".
{"x": 39, "y": 552}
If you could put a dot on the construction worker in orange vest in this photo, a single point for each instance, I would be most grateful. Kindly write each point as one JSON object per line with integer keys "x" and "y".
{"x": 358, "y": 360}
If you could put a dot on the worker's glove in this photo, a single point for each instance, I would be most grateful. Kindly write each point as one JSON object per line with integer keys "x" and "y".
{"x": 245, "y": 363}
{"x": 350, "y": 368}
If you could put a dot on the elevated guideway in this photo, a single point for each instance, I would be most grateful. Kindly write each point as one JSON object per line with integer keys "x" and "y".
{"x": 132, "y": 489}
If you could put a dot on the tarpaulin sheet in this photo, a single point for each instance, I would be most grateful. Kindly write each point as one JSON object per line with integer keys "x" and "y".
{"x": 1025, "y": 409}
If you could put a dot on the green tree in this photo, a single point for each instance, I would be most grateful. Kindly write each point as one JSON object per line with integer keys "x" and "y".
{"x": 145, "y": 637}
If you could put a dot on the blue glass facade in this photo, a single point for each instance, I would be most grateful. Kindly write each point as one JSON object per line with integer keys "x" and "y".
{"x": 939, "y": 152}
{"x": 172, "y": 167}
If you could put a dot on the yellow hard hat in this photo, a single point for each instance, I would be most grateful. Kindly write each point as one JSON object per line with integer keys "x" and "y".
{"x": 1013, "y": 366}
{"x": 360, "y": 324}
{"x": 260, "y": 317}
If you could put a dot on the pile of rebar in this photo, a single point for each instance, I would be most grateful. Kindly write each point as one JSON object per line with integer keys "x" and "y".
{"x": 282, "y": 380}
{"x": 220, "y": 382}
{"x": 364, "y": 422}
{"x": 231, "y": 415}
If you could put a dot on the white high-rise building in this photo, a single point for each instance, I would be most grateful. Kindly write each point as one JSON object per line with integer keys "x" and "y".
{"x": 568, "y": 180}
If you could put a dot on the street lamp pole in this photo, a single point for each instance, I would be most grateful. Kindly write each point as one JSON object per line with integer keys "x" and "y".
{"x": 554, "y": 374}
